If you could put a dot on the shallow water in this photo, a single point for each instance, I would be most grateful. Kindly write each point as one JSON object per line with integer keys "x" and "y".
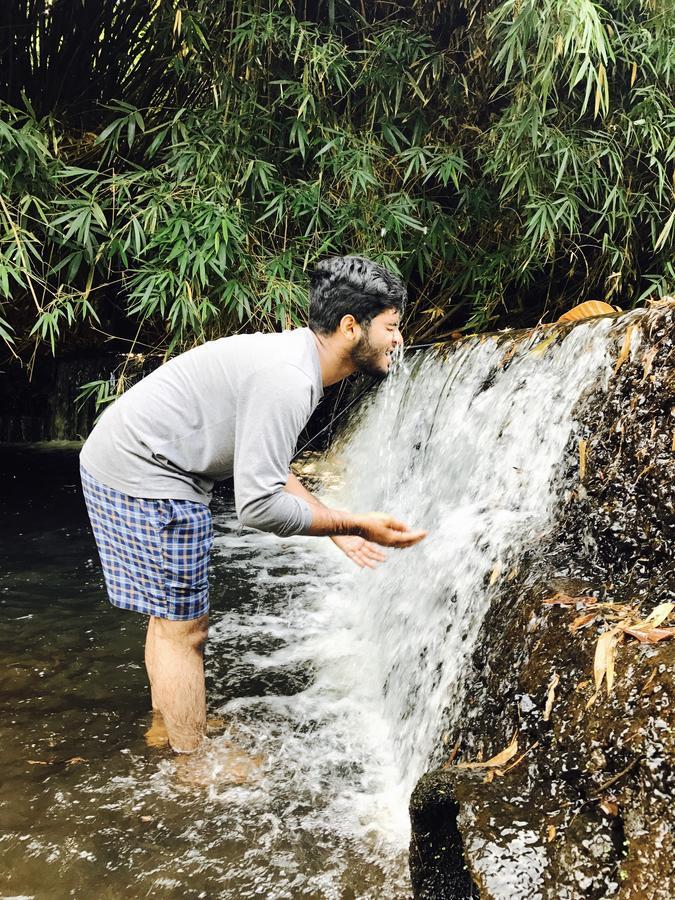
{"x": 87, "y": 809}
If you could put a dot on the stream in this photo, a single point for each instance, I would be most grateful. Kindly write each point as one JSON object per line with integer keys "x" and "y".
{"x": 87, "y": 809}
{"x": 336, "y": 684}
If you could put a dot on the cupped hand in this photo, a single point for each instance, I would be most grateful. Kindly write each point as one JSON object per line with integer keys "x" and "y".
{"x": 362, "y": 552}
{"x": 387, "y": 531}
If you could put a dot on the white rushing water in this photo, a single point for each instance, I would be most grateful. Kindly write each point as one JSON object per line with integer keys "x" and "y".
{"x": 469, "y": 446}
{"x": 365, "y": 666}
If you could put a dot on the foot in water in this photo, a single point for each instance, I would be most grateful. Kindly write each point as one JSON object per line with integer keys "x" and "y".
{"x": 157, "y": 736}
{"x": 218, "y": 763}
{"x": 215, "y": 762}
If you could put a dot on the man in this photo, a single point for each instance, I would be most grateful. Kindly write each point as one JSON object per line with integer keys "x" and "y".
{"x": 231, "y": 407}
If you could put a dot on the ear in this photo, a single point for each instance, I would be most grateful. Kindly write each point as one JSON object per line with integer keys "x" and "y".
{"x": 349, "y": 328}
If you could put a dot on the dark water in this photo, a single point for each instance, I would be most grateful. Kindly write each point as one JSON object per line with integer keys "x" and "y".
{"x": 88, "y": 809}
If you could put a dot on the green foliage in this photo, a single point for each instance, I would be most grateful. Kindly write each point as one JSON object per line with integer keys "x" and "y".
{"x": 505, "y": 157}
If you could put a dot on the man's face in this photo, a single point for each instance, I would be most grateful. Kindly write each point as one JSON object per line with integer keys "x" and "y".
{"x": 372, "y": 353}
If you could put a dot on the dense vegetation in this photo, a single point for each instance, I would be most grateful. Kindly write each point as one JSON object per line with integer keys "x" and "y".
{"x": 168, "y": 171}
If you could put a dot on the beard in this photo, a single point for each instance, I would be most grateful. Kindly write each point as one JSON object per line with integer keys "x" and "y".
{"x": 366, "y": 359}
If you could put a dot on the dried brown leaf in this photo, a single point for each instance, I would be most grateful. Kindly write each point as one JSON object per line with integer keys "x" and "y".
{"x": 650, "y": 635}
{"x": 550, "y": 833}
{"x": 550, "y": 699}
{"x": 592, "y": 699}
{"x": 74, "y": 760}
{"x": 499, "y": 760}
{"x": 586, "y": 310}
{"x": 583, "y": 446}
{"x": 605, "y": 653}
{"x": 582, "y": 620}
{"x": 611, "y": 662}
{"x": 517, "y": 761}
{"x": 647, "y": 362}
{"x": 649, "y": 681}
{"x": 625, "y": 348}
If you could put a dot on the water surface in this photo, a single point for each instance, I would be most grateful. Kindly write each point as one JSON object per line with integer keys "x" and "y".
{"x": 87, "y": 809}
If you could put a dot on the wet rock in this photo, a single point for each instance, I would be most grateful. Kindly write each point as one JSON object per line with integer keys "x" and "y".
{"x": 437, "y": 866}
{"x": 584, "y": 809}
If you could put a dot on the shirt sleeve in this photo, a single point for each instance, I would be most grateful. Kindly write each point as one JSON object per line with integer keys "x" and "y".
{"x": 273, "y": 407}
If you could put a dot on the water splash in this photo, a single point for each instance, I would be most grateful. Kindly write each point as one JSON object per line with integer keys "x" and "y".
{"x": 468, "y": 445}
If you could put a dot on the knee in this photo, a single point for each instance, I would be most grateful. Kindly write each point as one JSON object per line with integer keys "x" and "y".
{"x": 191, "y": 635}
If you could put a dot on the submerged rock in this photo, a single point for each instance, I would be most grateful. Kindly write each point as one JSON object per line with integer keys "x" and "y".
{"x": 584, "y": 807}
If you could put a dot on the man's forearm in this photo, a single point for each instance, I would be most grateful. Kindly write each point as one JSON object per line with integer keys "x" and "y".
{"x": 377, "y": 527}
{"x": 325, "y": 521}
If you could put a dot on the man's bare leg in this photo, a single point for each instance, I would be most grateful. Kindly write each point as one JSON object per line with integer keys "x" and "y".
{"x": 175, "y": 662}
{"x": 150, "y": 657}
{"x": 156, "y": 735}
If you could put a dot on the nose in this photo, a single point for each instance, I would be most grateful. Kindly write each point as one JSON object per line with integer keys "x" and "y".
{"x": 398, "y": 338}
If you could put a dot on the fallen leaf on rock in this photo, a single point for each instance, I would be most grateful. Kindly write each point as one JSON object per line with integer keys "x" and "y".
{"x": 658, "y": 615}
{"x": 647, "y": 631}
{"x": 583, "y": 445}
{"x": 647, "y": 361}
{"x": 605, "y": 655}
{"x": 516, "y": 761}
{"x": 648, "y": 682}
{"x": 625, "y": 348}
{"x": 580, "y": 621}
{"x": 550, "y": 699}
{"x": 74, "y": 760}
{"x": 651, "y": 635}
{"x": 550, "y": 833}
{"x": 499, "y": 760}
{"x": 587, "y": 310}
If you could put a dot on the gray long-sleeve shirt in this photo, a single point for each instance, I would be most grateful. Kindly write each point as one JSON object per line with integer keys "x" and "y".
{"x": 231, "y": 407}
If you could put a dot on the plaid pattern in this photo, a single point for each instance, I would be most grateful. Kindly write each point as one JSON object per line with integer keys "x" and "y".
{"x": 154, "y": 553}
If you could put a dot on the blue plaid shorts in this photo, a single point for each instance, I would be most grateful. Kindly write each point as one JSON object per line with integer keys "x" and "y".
{"x": 154, "y": 553}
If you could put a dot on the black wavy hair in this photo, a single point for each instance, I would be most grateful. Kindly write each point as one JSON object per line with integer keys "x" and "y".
{"x": 351, "y": 285}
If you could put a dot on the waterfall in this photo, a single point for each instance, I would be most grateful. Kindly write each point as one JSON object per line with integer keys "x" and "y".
{"x": 469, "y": 443}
